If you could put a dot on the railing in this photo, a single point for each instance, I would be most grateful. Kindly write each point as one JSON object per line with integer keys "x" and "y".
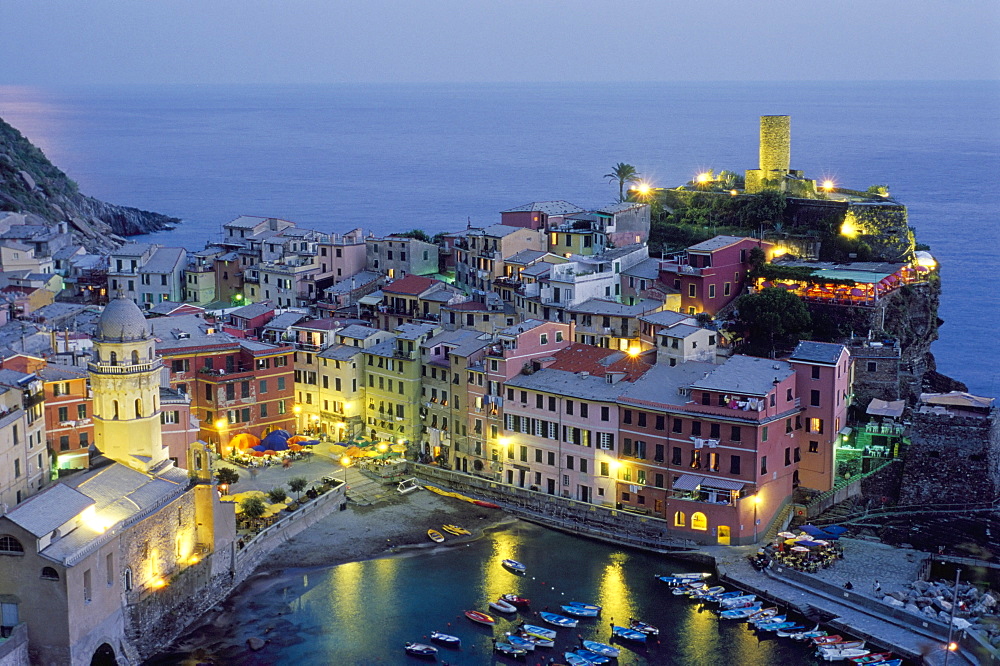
{"x": 123, "y": 368}
{"x": 716, "y": 410}
{"x": 908, "y": 509}
{"x": 842, "y": 490}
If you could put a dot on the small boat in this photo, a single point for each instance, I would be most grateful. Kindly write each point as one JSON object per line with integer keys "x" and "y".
{"x": 695, "y": 574}
{"x": 516, "y": 601}
{"x": 825, "y": 639}
{"x": 558, "y": 620}
{"x": 873, "y": 658}
{"x": 514, "y": 566}
{"x": 738, "y": 613}
{"x": 435, "y": 536}
{"x": 580, "y": 604}
{"x": 488, "y": 505}
{"x": 579, "y": 611}
{"x": 601, "y": 648}
{"x": 647, "y": 629}
{"x": 889, "y": 662}
{"x": 420, "y": 649}
{"x": 520, "y": 641}
{"x": 738, "y": 602}
{"x": 507, "y": 649}
{"x": 592, "y": 657}
{"x": 763, "y": 613}
{"x": 541, "y": 632}
{"x": 777, "y": 626}
{"x": 456, "y": 530}
{"x": 843, "y": 645}
{"x": 807, "y": 635}
{"x": 446, "y": 639}
{"x": 481, "y": 618}
{"x": 708, "y": 591}
{"x": 763, "y": 622}
{"x": 687, "y": 588}
{"x": 788, "y": 631}
{"x": 627, "y": 634}
{"x": 727, "y": 595}
{"x": 502, "y": 606}
{"x": 537, "y": 640}
{"x": 674, "y": 580}
{"x": 840, "y": 655}
{"x": 573, "y": 659}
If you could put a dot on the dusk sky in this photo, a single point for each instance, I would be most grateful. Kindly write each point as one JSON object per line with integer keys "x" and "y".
{"x": 55, "y": 42}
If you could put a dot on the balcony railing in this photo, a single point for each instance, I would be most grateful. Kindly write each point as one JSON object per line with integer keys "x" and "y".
{"x": 123, "y": 368}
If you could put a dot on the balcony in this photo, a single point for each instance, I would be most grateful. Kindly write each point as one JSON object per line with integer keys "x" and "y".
{"x": 228, "y": 373}
{"x": 123, "y": 368}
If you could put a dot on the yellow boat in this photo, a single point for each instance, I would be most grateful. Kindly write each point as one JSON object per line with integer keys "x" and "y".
{"x": 435, "y": 536}
{"x": 455, "y": 529}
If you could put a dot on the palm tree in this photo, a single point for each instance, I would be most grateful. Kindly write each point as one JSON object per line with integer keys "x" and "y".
{"x": 623, "y": 173}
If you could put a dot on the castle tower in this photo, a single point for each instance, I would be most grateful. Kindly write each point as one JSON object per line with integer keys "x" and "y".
{"x": 125, "y": 378}
{"x": 775, "y": 143}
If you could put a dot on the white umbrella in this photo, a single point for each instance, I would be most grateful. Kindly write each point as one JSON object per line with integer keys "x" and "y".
{"x": 800, "y": 549}
{"x": 786, "y": 535}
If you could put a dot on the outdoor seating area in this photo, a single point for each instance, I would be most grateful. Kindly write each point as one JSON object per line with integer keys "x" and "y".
{"x": 846, "y": 286}
{"x": 277, "y": 448}
{"x": 809, "y": 551}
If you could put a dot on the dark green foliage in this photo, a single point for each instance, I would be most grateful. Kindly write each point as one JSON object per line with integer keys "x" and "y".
{"x": 770, "y": 320}
{"x": 418, "y": 234}
{"x": 276, "y": 495}
{"x": 253, "y": 508}
{"x": 297, "y": 485}
{"x": 623, "y": 173}
{"x": 227, "y": 476}
{"x": 839, "y": 248}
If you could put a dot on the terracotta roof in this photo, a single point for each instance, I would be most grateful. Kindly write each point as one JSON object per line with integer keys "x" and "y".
{"x": 598, "y": 361}
{"x": 468, "y": 305}
{"x": 411, "y": 285}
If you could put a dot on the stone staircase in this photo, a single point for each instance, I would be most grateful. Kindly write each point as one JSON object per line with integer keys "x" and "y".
{"x": 777, "y": 525}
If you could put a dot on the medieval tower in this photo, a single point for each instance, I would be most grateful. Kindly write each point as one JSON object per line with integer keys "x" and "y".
{"x": 125, "y": 378}
{"x": 774, "y": 171}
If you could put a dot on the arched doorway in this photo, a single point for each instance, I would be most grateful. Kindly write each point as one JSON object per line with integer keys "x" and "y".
{"x": 105, "y": 656}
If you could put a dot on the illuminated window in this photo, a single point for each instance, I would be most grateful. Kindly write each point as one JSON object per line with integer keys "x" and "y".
{"x": 679, "y": 519}
{"x": 699, "y": 521}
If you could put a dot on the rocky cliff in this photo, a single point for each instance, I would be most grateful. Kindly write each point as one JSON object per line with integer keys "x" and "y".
{"x": 31, "y": 184}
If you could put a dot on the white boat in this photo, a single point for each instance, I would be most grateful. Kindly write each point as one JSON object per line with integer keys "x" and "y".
{"x": 514, "y": 566}
{"x": 503, "y": 606}
{"x": 738, "y": 602}
{"x": 840, "y": 655}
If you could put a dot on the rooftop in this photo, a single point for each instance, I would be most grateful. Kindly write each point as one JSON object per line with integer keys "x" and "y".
{"x": 597, "y": 361}
{"x": 825, "y": 353}
{"x": 717, "y": 243}
{"x": 525, "y": 257}
{"x": 599, "y": 306}
{"x": 745, "y": 375}
{"x": 410, "y": 285}
{"x": 253, "y": 310}
{"x": 548, "y": 207}
{"x": 662, "y": 384}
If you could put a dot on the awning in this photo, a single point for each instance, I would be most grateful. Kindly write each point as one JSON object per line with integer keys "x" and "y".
{"x": 371, "y": 299}
{"x": 688, "y": 482}
{"x": 892, "y": 409}
{"x": 721, "y": 484}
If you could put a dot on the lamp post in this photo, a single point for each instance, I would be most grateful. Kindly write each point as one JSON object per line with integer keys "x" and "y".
{"x": 345, "y": 462}
{"x": 756, "y": 501}
{"x": 297, "y": 410}
{"x": 220, "y": 426}
{"x": 951, "y": 645}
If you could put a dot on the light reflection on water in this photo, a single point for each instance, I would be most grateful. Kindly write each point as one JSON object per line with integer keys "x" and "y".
{"x": 362, "y": 613}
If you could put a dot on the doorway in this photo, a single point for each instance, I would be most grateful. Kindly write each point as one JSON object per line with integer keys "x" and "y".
{"x": 723, "y": 535}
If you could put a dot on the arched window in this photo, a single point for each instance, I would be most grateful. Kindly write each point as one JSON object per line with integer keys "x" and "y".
{"x": 699, "y": 521}
{"x": 128, "y": 579}
{"x": 679, "y": 519}
{"x": 138, "y": 408}
{"x": 114, "y": 358}
{"x": 135, "y": 356}
{"x": 48, "y": 573}
{"x": 10, "y": 546}
{"x": 114, "y": 409}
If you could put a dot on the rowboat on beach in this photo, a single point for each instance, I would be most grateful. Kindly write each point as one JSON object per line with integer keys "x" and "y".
{"x": 456, "y": 530}
{"x": 481, "y": 618}
{"x": 435, "y": 536}
{"x": 558, "y": 620}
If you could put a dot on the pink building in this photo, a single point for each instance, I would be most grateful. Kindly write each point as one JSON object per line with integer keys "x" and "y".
{"x": 710, "y": 274}
{"x": 825, "y": 375}
{"x": 539, "y": 215}
{"x": 248, "y": 321}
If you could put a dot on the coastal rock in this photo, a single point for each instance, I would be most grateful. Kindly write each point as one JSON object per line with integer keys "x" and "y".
{"x": 929, "y": 611}
{"x": 255, "y": 643}
{"x": 892, "y": 601}
{"x": 913, "y": 608}
{"x": 28, "y": 180}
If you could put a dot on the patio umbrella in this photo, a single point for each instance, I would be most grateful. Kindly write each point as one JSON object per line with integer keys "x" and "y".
{"x": 283, "y": 433}
{"x": 294, "y": 447}
{"x": 269, "y": 452}
{"x": 799, "y": 549}
{"x": 257, "y": 454}
{"x": 857, "y": 292}
{"x": 786, "y": 535}
{"x": 278, "y": 446}
{"x": 398, "y": 448}
{"x": 338, "y": 449}
{"x": 297, "y": 438}
{"x": 352, "y": 451}
{"x": 244, "y": 440}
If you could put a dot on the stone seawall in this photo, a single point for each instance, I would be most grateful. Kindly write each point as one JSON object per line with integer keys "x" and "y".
{"x": 157, "y": 618}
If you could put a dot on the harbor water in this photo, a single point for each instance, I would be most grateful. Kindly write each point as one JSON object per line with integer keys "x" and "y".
{"x": 364, "y": 612}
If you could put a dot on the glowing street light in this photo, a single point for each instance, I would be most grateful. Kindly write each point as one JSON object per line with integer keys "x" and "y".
{"x": 756, "y": 502}
{"x": 703, "y": 177}
{"x": 828, "y": 185}
{"x": 345, "y": 463}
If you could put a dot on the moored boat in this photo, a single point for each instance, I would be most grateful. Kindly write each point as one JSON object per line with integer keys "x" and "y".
{"x": 579, "y": 611}
{"x": 815, "y": 632}
{"x": 514, "y": 566}
{"x": 776, "y": 626}
{"x": 535, "y": 630}
{"x": 446, "y": 639}
{"x": 601, "y": 648}
{"x": 841, "y": 654}
{"x": 708, "y": 591}
{"x": 420, "y": 649}
{"x": 788, "y": 631}
{"x": 593, "y": 657}
{"x": 456, "y": 530}
{"x": 693, "y": 574}
{"x": 580, "y": 604}
{"x": 825, "y": 639}
{"x": 645, "y": 628}
{"x": 573, "y": 659}
{"x": 516, "y": 601}
{"x": 506, "y": 648}
{"x": 889, "y": 662}
{"x": 738, "y": 602}
{"x": 520, "y": 641}
{"x": 537, "y": 640}
{"x": 873, "y": 658}
{"x": 844, "y": 645}
{"x": 739, "y": 613}
{"x": 627, "y": 634}
{"x": 481, "y": 618}
{"x": 558, "y": 620}
{"x": 435, "y": 536}
{"x": 727, "y": 595}
{"x": 503, "y": 606}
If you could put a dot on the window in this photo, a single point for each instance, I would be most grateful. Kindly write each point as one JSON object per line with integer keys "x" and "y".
{"x": 763, "y": 434}
{"x": 734, "y": 464}
{"x": 815, "y": 372}
{"x": 696, "y": 428}
{"x": 680, "y": 519}
{"x": 675, "y": 456}
{"x": 796, "y": 454}
{"x": 263, "y": 410}
{"x": 872, "y": 366}
{"x": 559, "y": 336}
{"x": 692, "y": 290}
{"x": 10, "y": 546}
{"x": 543, "y": 339}
{"x": 713, "y": 430}
{"x": 605, "y": 413}
{"x": 815, "y": 426}
{"x": 64, "y": 413}
{"x": 677, "y": 426}
{"x": 627, "y": 416}
{"x": 569, "y": 407}
{"x": 814, "y": 398}
{"x": 788, "y": 456}
{"x": 699, "y": 521}
{"x": 86, "y": 587}
{"x": 727, "y": 288}
{"x": 584, "y": 410}
{"x": 48, "y": 573}
{"x": 262, "y": 386}
{"x": 711, "y": 291}
{"x": 81, "y": 411}
{"x": 813, "y": 446}
{"x": 736, "y": 434}
{"x": 110, "y": 566}
{"x": 605, "y": 469}
{"x": 660, "y": 422}
{"x": 281, "y": 382}
{"x": 763, "y": 465}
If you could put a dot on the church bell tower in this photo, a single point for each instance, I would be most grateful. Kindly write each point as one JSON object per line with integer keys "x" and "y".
{"x": 125, "y": 379}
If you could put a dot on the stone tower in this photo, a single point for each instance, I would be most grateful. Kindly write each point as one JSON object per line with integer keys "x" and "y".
{"x": 125, "y": 378}
{"x": 775, "y": 144}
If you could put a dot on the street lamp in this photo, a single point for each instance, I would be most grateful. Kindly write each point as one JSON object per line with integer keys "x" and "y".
{"x": 345, "y": 462}
{"x": 756, "y": 501}
{"x": 220, "y": 426}
{"x": 952, "y": 645}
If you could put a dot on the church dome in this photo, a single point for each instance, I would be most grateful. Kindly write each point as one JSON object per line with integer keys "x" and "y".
{"x": 122, "y": 321}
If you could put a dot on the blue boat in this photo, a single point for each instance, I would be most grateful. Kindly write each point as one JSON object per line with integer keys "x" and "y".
{"x": 507, "y": 649}
{"x": 573, "y": 659}
{"x": 420, "y": 650}
{"x": 580, "y": 604}
{"x": 726, "y": 595}
{"x": 579, "y": 611}
{"x": 520, "y": 641}
{"x": 775, "y": 626}
{"x": 514, "y": 566}
{"x": 740, "y": 613}
{"x": 601, "y": 648}
{"x": 537, "y": 640}
{"x": 535, "y": 630}
{"x": 593, "y": 657}
{"x": 558, "y": 620}
{"x": 446, "y": 639}
{"x": 627, "y": 634}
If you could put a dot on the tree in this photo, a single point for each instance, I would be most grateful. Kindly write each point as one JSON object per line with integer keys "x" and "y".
{"x": 277, "y": 495}
{"x": 418, "y": 234}
{"x": 253, "y": 508}
{"x": 297, "y": 485}
{"x": 623, "y": 173}
{"x": 226, "y": 476}
{"x": 769, "y": 318}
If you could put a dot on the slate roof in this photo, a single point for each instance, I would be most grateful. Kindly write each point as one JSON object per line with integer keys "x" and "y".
{"x": 253, "y": 310}
{"x": 600, "y": 306}
{"x": 647, "y": 268}
{"x": 662, "y": 383}
{"x": 284, "y": 321}
{"x": 666, "y": 318}
{"x": 825, "y": 353}
{"x": 517, "y": 329}
{"x": 245, "y": 222}
{"x": 619, "y": 207}
{"x": 525, "y": 257}
{"x": 45, "y": 511}
{"x": 54, "y": 372}
{"x": 358, "y": 331}
{"x": 745, "y": 375}
{"x": 165, "y": 260}
{"x": 557, "y": 207}
{"x": 570, "y": 384}
{"x": 716, "y": 243}
{"x": 410, "y": 285}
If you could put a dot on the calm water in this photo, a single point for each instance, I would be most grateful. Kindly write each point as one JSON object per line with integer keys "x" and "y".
{"x": 395, "y": 157}
{"x": 363, "y": 613}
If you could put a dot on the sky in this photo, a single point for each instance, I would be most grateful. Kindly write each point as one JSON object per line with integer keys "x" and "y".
{"x": 60, "y": 42}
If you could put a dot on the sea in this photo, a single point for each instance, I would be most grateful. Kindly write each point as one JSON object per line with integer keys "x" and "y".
{"x": 439, "y": 157}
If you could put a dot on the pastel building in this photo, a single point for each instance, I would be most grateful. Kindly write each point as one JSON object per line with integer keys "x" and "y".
{"x": 711, "y": 274}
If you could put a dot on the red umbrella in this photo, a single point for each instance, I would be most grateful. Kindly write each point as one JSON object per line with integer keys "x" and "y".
{"x": 257, "y": 454}
{"x": 269, "y": 452}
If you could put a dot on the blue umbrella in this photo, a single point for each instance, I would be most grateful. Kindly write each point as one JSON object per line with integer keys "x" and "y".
{"x": 274, "y": 439}
{"x": 279, "y": 445}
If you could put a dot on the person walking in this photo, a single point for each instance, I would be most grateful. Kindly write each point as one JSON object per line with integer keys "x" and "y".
{"x": 878, "y": 587}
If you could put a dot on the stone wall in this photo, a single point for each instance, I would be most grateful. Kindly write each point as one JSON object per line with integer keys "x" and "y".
{"x": 876, "y": 374}
{"x": 952, "y": 458}
{"x": 14, "y": 648}
{"x": 884, "y": 227}
{"x": 156, "y": 618}
{"x": 775, "y": 143}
